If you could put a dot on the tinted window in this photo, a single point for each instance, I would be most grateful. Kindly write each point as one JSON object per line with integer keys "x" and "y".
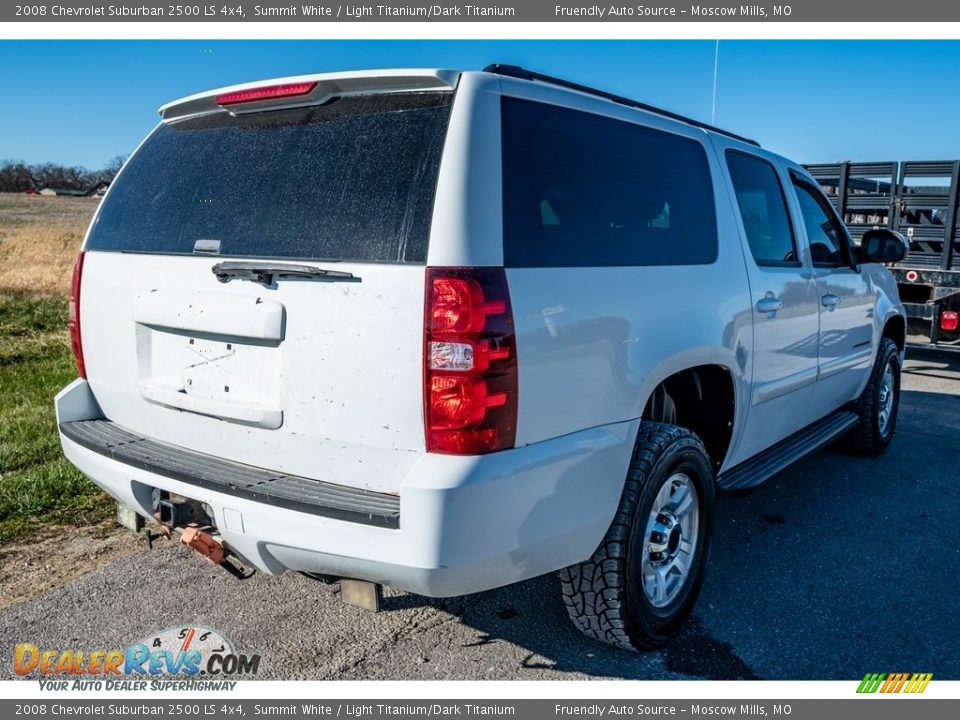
{"x": 584, "y": 190}
{"x": 350, "y": 180}
{"x": 763, "y": 210}
{"x": 824, "y": 232}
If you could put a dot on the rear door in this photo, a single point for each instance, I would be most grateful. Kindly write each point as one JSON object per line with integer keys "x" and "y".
{"x": 784, "y": 294}
{"x": 316, "y": 373}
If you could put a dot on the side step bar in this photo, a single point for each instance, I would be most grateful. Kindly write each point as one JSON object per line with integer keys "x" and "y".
{"x": 774, "y": 459}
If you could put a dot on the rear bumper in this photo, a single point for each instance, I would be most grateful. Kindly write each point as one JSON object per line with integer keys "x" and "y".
{"x": 465, "y": 524}
{"x": 212, "y": 473}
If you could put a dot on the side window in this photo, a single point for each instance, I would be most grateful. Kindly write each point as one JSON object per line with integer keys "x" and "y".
{"x": 763, "y": 210}
{"x": 825, "y": 233}
{"x": 583, "y": 190}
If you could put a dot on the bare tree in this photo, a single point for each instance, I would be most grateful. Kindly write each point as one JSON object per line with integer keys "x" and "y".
{"x": 17, "y": 176}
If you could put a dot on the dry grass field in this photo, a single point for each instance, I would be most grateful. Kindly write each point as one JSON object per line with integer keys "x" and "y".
{"x": 39, "y": 239}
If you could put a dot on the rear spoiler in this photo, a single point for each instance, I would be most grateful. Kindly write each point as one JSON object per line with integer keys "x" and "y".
{"x": 306, "y": 90}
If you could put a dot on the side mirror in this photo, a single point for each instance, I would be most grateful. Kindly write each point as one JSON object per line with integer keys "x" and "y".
{"x": 882, "y": 246}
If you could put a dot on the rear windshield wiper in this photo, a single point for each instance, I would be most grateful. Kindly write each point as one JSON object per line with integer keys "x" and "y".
{"x": 265, "y": 272}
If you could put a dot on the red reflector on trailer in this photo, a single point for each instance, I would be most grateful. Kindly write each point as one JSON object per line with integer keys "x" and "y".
{"x": 268, "y": 92}
{"x": 949, "y": 320}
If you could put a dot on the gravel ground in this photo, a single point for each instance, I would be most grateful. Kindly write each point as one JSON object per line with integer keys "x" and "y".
{"x": 839, "y": 566}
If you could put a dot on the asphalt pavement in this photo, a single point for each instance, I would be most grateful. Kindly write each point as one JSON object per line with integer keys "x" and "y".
{"x": 839, "y": 566}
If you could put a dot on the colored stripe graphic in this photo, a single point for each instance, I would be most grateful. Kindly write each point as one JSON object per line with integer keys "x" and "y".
{"x": 900, "y": 682}
{"x": 894, "y": 683}
{"x": 918, "y": 683}
{"x": 870, "y": 682}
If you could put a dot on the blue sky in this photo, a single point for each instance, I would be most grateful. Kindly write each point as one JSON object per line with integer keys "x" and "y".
{"x": 83, "y": 102}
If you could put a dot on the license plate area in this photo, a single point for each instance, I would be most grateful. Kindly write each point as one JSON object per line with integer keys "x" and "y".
{"x": 229, "y": 378}
{"x": 211, "y": 353}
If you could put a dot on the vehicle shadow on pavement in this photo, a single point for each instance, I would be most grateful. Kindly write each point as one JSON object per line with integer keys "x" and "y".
{"x": 531, "y": 616}
{"x": 838, "y": 564}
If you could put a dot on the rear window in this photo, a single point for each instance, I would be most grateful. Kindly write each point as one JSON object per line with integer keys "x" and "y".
{"x": 585, "y": 190}
{"x": 353, "y": 179}
{"x": 763, "y": 210}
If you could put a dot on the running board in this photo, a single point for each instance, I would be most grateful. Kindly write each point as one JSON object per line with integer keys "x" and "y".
{"x": 786, "y": 452}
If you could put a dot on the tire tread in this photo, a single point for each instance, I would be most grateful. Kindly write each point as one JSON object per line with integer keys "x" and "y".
{"x": 594, "y": 590}
{"x": 864, "y": 438}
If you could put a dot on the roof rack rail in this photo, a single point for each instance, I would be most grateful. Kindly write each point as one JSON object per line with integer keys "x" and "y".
{"x": 515, "y": 71}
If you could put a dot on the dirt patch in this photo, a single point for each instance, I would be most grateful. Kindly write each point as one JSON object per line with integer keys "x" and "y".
{"x": 57, "y": 555}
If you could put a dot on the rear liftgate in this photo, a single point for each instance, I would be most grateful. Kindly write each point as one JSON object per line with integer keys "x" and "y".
{"x": 208, "y": 344}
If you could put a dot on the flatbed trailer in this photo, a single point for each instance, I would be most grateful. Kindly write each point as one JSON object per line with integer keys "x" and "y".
{"x": 920, "y": 200}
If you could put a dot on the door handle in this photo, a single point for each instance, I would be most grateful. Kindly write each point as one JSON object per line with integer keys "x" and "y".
{"x": 769, "y": 304}
{"x": 830, "y": 301}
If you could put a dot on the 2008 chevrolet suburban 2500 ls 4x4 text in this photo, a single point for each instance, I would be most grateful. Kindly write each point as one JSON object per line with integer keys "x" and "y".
{"x": 451, "y": 330}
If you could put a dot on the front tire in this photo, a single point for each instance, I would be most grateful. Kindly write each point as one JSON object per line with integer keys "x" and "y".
{"x": 642, "y": 582}
{"x": 879, "y": 404}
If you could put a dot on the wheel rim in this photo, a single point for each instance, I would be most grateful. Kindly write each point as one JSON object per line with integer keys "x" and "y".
{"x": 885, "y": 399}
{"x": 670, "y": 540}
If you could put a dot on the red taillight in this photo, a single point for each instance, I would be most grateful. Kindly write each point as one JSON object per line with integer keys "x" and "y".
{"x": 949, "y": 319}
{"x": 269, "y": 92}
{"x": 459, "y": 306}
{"x": 470, "y": 362}
{"x": 74, "y": 319}
{"x": 460, "y": 402}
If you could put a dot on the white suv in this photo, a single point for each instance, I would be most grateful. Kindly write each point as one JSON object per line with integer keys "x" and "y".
{"x": 451, "y": 330}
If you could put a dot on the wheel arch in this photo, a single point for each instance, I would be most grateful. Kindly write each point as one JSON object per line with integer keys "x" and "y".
{"x": 895, "y": 328}
{"x": 702, "y": 398}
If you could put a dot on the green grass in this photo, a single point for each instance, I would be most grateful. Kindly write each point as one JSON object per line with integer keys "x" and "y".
{"x": 38, "y": 487}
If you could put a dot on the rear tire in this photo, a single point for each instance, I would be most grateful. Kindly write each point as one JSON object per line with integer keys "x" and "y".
{"x": 642, "y": 582}
{"x": 879, "y": 403}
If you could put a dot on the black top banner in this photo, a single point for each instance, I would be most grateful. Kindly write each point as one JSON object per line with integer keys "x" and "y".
{"x": 928, "y": 11}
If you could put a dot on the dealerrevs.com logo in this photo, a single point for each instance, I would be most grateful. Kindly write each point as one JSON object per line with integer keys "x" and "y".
{"x": 181, "y": 658}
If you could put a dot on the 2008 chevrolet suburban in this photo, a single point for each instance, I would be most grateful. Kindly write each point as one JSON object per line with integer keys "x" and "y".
{"x": 451, "y": 330}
